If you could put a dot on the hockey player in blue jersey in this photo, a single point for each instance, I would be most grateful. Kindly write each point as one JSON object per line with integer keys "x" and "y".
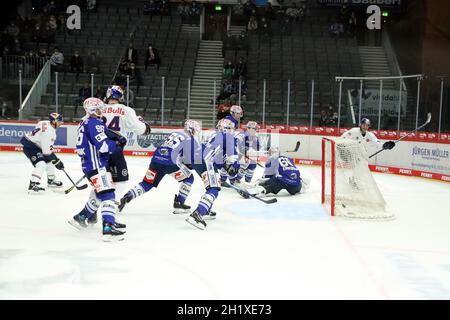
{"x": 247, "y": 142}
{"x": 280, "y": 173}
{"x": 94, "y": 148}
{"x": 235, "y": 115}
{"x": 171, "y": 158}
{"x": 220, "y": 151}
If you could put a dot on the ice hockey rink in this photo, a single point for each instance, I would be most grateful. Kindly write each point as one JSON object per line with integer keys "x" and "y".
{"x": 288, "y": 250}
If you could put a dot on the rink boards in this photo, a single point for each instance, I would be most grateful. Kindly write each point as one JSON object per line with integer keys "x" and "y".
{"x": 424, "y": 155}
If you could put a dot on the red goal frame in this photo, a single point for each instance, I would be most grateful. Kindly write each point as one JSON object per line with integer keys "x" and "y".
{"x": 332, "y": 143}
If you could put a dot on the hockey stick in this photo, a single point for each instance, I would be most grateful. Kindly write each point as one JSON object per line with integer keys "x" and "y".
{"x": 418, "y": 128}
{"x": 82, "y": 187}
{"x": 297, "y": 146}
{"x": 246, "y": 194}
{"x": 73, "y": 187}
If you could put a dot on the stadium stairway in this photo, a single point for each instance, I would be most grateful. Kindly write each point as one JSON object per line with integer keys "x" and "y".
{"x": 208, "y": 67}
{"x": 375, "y": 64}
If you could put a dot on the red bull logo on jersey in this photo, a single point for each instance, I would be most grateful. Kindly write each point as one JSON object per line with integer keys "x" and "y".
{"x": 112, "y": 110}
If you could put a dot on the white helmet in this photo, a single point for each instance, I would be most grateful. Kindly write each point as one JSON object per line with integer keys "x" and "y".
{"x": 192, "y": 127}
{"x": 93, "y": 106}
{"x": 225, "y": 125}
{"x": 236, "y": 110}
{"x": 252, "y": 125}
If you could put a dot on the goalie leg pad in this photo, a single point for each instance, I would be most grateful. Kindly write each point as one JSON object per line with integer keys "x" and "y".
{"x": 207, "y": 200}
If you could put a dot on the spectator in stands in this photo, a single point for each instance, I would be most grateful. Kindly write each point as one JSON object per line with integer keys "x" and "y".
{"x": 99, "y": 93}
{"x": 42, "y": 53}
{"x": 293, "y": 13}
{"x": 265, "y": 29}
{"x": 195, "y": 11}
{"x": 135, "y": 77}
{"x": 16, "y": 47}
{"x": 228, "y": 70}
{"x": 351, "y": 26}
{"x": 151, "y": 7}
{"x": 36, "y": 33}
{"x": 52, "y": 23}
{"x": 4, "y": 107}
{"x": 56, "y": 60}
{"x": 91, "y": 5}
{"x": 84, "y": 93}
{"x": 124, "y": 69}
{"x": 269, "y": 12}
{"x": 344, "y": 14}
{"x": 333, "y": 120}
{"x": 92, "y": 63}
{"x": 47, "y": 35}
{"x": 223, "y": 109}
{"x": 131, "y": 54}
{"x": 227, "y": 90}
{"x": 50, "y": 7}
{"x": 12, "y": 30}
{"x": 76, "y": 63}
{"x": 238, "y": 9}
{"x": 183, "y": 10}
{"x": 336, "y": 29}
{"x": 152, "y": 57}
{"x": 252, "y": 25}
{"x": 240, "y": 70}
{"x": 242, "y": 42}
{"x": 323, "y": 120}
{"x": 286, "y": 26}
{"x": 229, "y": 43}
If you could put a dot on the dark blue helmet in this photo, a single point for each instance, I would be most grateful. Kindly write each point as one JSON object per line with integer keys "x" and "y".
{"x": 54, "y": 116}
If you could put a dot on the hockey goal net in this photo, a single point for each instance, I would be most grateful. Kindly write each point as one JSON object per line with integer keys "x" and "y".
{"x": 348, "y": 187}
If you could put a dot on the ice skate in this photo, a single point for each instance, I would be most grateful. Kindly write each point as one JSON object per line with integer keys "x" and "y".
{"x": 180, "y": 208}
{"x": 35, "y": 188}
{"x": 196, "y": 220}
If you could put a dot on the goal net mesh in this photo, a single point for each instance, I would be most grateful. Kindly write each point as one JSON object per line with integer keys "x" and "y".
{"x": 355, "y": 193}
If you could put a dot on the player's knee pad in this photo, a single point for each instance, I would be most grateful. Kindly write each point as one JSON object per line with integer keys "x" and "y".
{"x": 106, "y": 196}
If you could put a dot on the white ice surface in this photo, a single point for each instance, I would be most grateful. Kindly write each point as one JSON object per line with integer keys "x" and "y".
{"x": 288, "y": 250}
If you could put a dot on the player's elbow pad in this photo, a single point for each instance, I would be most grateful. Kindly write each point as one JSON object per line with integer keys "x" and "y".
{"x": 148, "y": 129}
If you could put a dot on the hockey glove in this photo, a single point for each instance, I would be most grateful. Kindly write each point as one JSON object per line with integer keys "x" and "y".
{"x": 232, "y": 168}
{"x": 388, "y": 145}
{"x": 58, "y": 164}
{"x": 120, "y": 140}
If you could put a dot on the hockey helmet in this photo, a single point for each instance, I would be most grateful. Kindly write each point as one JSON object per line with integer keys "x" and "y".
{"x": 93, "y": 106}
{"x": 192, "y": 127}
{"x": 364, "y": 121}
{"x": 55, "y": 117}
{"x": 225, "y": 125}
{"x": 236, "y": 110}
{"x": 114, "y": 92}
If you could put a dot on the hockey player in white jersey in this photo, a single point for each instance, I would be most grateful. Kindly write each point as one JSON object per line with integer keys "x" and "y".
{"x": 121, "y": 120}
{"x": 38, "y": 147}
{"x": 362, "y": 135}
